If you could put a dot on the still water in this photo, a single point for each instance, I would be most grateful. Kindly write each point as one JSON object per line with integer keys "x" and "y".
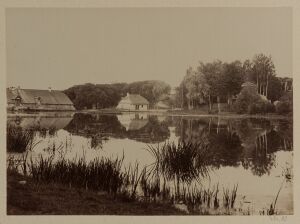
{"x": 254, "y": 153}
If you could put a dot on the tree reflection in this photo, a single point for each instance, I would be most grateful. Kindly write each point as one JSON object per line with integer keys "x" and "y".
{"x": 249, "y": 142}
{"x": 100, "y": 127}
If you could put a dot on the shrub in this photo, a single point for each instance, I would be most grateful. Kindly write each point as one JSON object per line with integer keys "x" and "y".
{"x": 246, "y": 101}
{"x": 19, "y": 140}
{"x": 285, "y": 104}
{"x": 283, "y": 107}
{"x": 261, "y": 107}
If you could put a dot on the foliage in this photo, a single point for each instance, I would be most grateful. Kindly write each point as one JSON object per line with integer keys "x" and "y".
{"x": 97, "y": 96}
{"x": 100, "y": 174}
{"x": 19, "y": 140}
{"x": 184, "y": 161}
{"x": 285, "y": 104}
{"x": 196, "y": 86}
{"x": 274, "y": 89}
{"x": 217, "y": 81}
{"x": 231, "y": 79}
{"x": 100, "y": 96}
{"x": 262, "y": 69}
{"x": 246, "y": 97}
{"x": 261, "y": 107}
{"x": 152, "y": 90}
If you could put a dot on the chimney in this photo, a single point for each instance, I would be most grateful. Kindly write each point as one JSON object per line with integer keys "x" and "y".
{"x": 50, "y": 89}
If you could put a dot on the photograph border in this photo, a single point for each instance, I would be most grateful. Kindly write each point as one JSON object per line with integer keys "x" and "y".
{"x": 148, "y": 3}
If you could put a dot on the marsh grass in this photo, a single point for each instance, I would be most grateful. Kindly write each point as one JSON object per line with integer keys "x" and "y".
{"x": 229, "y": 197}
{"x": 19, "y": 140}
{"x": 100, "y": 174}
{"x": 182, "y": 162}
{"x": 272, "y": 209}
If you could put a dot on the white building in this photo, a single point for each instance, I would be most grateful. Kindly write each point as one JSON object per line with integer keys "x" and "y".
{"x": 133, "y": 102}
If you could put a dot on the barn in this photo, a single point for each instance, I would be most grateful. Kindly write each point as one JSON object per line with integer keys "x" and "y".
{"x": 38, "y": 100}
{"x": 133, "y": 102}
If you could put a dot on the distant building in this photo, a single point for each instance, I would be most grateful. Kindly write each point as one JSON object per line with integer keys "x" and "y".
{"x": 133, "y": 102}
{"x": 38, "y": 100}
{"x": 162, "y": 105}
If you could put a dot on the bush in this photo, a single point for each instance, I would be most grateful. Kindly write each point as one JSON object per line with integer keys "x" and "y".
{"x": 249, "y": 101}
{"x": 261, "y": 107}
{"x": 285, "y": 104}
{"x": 246, "y": 101}
{"x": 284, "y": 107}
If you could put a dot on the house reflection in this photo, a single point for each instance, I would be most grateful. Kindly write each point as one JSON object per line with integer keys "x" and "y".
{"x": 133, "y": 121}
{"x": 41, "y": 122}
{"x": 144, "y": 127}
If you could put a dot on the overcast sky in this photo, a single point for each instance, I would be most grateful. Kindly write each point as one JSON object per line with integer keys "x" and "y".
{"x": 63, "y": 47}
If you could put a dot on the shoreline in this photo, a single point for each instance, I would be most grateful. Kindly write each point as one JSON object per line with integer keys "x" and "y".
{"x": 228, "y": 115}
{"x": 25, "y": 197}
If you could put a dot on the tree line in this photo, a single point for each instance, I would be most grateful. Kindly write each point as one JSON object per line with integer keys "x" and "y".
{"x": 217, "y": 82}
{"x": 208, "y": 84}
{"x": 98, "y": 96}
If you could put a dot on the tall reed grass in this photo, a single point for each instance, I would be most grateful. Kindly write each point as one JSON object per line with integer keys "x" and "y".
{"x": 19, "y": 140}
{"x": 100, "y": 174}
{"x": 184, "y": 161}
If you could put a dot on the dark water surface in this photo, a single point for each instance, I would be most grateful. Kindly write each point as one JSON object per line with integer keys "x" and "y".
{"x": 253, "y": 153}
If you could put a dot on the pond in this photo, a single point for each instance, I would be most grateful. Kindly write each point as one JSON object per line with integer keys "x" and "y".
{"x": 255, "y": 155}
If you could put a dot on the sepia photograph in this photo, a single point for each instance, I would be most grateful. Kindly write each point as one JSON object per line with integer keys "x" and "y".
{"x": 149, "y": 111}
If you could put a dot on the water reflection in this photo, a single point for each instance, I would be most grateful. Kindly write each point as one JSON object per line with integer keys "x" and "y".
{"x": 142, "y": 128}
{"x": 241, "y": 150}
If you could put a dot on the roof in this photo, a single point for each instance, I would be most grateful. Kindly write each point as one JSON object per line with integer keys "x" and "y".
{"x": 10, "y": 95}
{"x": 136, "y": 99}
{"x": 162, "y": 104}
{"x": 46, "y": 96}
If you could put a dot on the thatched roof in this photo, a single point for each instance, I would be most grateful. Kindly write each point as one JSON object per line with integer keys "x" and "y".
{"x": 136, "y": 99}
{"x": 46, "y": 96}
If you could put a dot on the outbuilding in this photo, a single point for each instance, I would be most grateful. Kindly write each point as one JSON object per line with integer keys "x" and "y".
{"x": 38, "y": 100}
{"x": 133, "y": 102}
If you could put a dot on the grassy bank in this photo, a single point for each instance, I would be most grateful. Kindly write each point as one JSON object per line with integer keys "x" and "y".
{"x": 31, "y": 198}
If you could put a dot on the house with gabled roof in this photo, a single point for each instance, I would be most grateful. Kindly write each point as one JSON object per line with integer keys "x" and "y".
{"x": 133, "y": 102}
{"x": 38, "y": 100}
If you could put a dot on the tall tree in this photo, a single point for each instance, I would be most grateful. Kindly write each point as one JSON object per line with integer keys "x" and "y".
{"x": 230, "y": 80}
{"x": 263, "y": 68}
{"x": 212, "y": 73}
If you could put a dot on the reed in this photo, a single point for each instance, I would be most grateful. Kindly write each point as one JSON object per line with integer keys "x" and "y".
{"x": 229, "y": 197}
{"x": 183, "y": 162}
{"x": 19, "y": 140}
{"x": 272, "y": 209}
{"x": 100, "y": 174}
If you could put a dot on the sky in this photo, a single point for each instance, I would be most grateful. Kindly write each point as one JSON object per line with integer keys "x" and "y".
{"x": 60, "y": 47}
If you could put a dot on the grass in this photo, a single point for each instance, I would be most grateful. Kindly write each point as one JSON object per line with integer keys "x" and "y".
{"x": 229, "y": 197}
{"x": 35, "y": 198}
{"x": 184, "y": 161}
{"x": 272, "y": 209}
{"x": 100, "y": 174}
{"x": 19, "y": 140}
